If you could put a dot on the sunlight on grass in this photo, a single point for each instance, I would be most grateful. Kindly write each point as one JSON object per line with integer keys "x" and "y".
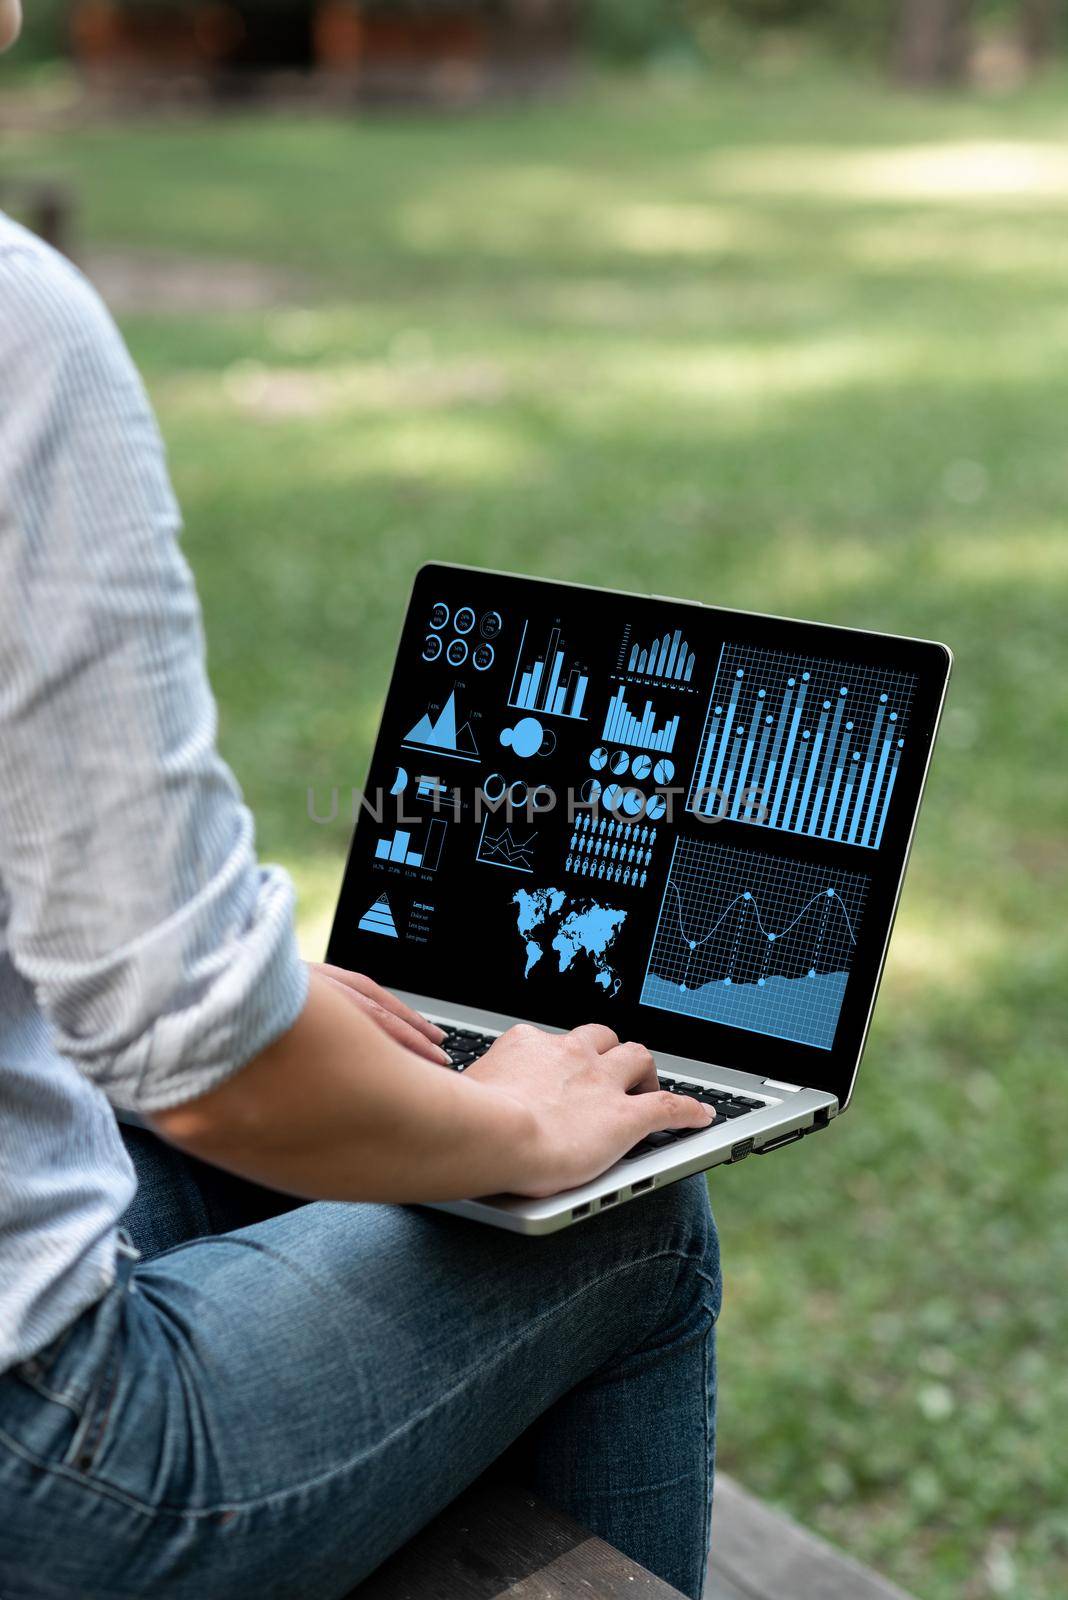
{"x": 258, "y": 390}
{"x": 1028, "y": 556}
{"x": 317, "y": 882}
{"x": 1007, "y": 251}
{"x": 650, "y": 228}
{"x": 450, "y": 445}
{"x": 923, "y": 962}
{"x": 449, "y": 448}
{"x": 763, "y": 372}
{"x": 975, "y": 173}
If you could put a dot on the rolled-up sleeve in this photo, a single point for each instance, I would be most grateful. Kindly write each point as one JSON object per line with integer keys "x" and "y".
{"x": 162, "y": 954}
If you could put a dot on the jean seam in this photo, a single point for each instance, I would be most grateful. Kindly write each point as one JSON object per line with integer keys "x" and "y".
{"x": 45, "y": 1393}
{"x": 709, "y": 1463}
{"x": 112, "y": 1491}
{"x": 640, "y": 1489}
{"x": 87, "y": 1440}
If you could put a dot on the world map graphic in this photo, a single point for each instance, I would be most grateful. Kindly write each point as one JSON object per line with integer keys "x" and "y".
{"x": 577, "y": 928}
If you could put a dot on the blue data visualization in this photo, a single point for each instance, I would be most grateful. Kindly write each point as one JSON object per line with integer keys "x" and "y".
{"x": 754, "y": 941}
{"x": 546, "y": 680}
{"x": 581, "y": 933}
{"x": 378, "y": 918}
{"x": 668, "y": 657}
{"x": 424, "y": 851}
{"x": 439, "y": 735}
{"x": 501, "y": 846}
{"x": 623, "y": 726}
{"x": 802, "y": 746}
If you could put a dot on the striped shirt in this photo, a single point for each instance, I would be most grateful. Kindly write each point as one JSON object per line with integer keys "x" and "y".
{"x": 144, "y": 955}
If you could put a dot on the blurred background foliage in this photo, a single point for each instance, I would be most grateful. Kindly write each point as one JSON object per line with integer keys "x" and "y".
{"x": 699, "y": 32}
{"x": 744, "y": 322}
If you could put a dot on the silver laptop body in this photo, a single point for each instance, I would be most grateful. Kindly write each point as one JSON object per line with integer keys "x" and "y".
{"x": 807, "y": 741}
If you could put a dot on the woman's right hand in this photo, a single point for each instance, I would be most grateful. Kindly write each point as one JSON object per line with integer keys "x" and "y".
{"x": 589, "y": 1099}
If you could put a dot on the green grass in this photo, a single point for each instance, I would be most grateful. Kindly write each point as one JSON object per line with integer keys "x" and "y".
{"x": 793, "y": 345}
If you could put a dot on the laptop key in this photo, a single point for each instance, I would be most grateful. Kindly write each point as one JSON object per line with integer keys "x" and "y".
{"x": 651, "y": 1142}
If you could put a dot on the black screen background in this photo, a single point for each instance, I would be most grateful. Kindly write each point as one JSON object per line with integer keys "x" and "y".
{"x": 474, "y": 954}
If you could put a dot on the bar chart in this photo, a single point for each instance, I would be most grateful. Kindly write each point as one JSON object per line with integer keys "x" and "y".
{"x": 546, "y": 681}
{"x": 398, "y": 847}
{"x": 758, "y": 942}
{"x": 802, "y": 745}
{"x": 623, "y": 726}
{"x": 668, "y": 658}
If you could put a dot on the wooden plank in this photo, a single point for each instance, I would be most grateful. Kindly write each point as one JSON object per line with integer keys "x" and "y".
{"x": 758, "y": 1554}
{"x": 501, "y": 1542}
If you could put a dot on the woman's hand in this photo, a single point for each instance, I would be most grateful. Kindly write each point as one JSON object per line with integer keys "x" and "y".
{"x": 391, "y": 1014}
{"x": 590, "y": 1098}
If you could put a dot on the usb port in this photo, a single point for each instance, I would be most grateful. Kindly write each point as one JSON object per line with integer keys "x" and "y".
{"x": 581, "y": 1211}
{"x": 609, "y": 1199}
{"x": 641, "y": 1186}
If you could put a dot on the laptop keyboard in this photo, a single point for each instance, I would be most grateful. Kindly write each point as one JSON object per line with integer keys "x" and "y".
{"x": 728, "y": 1104}
{"x": 464, "y": 1045}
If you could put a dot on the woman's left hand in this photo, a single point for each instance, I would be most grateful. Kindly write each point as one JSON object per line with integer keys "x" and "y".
{"x": 391, "y": 1014}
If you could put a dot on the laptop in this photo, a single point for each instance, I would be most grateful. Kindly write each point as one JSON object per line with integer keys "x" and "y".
{"x": 685, "y": 822}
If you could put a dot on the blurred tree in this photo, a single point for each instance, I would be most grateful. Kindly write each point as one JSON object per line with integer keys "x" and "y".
{"x": 1040, "y": 22}
{"x": 933, "y": 41}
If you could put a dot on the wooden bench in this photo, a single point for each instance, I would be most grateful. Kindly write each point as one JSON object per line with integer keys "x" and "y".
{"x": 498, "y": 1542}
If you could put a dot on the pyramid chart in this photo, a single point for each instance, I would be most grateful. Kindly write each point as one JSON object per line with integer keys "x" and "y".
{"x": 379, "y": 919}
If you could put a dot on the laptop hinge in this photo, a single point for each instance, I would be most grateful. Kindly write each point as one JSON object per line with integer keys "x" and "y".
{"x": 773, "y": 1083}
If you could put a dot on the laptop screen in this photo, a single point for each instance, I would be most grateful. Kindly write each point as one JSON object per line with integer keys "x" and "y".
{"x": 688, "y": 823}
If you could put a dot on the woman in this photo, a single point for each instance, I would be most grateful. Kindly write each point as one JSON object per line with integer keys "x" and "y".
{"x": 207, "y": 1389}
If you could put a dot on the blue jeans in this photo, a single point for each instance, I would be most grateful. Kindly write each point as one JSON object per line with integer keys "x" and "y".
{"x": 272, "y": 1400}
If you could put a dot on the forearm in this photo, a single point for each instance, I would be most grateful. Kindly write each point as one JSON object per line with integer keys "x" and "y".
{"x": 336, "y": 1110}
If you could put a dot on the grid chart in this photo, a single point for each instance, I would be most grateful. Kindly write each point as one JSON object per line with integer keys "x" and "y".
{"x": 802, "y": 745}
{"x": 754, "y": 941}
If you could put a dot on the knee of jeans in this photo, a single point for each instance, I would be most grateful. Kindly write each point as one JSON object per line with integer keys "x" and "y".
{"x": 685, "y": 1217}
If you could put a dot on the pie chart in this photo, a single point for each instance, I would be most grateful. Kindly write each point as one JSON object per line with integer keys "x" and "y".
{"x": 664, "y": 770}
{"x": 599, "y": 759}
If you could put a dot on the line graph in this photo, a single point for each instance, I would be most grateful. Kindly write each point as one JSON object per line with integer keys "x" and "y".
{"x": 759, "y": 942}
{"x": 502, "y": 849}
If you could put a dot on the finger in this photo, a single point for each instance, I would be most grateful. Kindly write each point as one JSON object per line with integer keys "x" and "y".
{"x": 655, "y": 1112}
{"x": 359, "y": 982}
{"x": 406, "y": 1035}
{"x": 596, "y": 1036}
{"x": 634, "y": 1065}
{"x": 395, "y": 1026}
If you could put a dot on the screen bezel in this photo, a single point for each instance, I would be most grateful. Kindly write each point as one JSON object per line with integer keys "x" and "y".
{"x": 833, "y": 1071}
